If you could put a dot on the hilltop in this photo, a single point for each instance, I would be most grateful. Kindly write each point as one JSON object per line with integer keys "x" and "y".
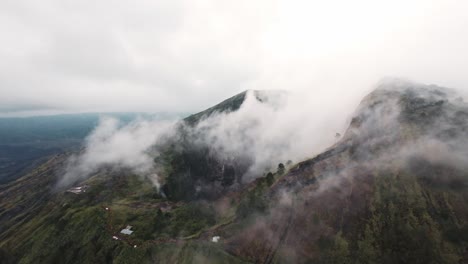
{"x": 272, "y": 97}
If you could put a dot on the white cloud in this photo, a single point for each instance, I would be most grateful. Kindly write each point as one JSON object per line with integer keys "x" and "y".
{"x": 122, "y": 146}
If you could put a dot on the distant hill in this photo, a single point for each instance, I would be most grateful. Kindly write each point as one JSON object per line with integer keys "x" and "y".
{"x": 26, "y": 141}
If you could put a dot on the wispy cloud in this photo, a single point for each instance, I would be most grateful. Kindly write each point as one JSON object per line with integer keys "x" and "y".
{"x": 111, "y": 144}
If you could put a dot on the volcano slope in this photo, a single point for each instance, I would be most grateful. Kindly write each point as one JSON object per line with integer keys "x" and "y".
{"x": 200, "y": 162}
{"x": 392, "y": 190}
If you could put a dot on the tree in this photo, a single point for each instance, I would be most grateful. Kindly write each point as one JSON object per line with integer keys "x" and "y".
{"x": 281, "y": 169}
{"x": 270, "y": 178}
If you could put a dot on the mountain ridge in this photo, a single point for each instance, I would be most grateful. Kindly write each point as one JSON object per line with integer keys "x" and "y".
{"x": 393, "y": 189}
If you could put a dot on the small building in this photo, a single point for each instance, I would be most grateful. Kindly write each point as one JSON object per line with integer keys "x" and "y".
{"x": 78, "y": 189}
{"x": 127, "y": 231}
{"x": 215, "y": 239}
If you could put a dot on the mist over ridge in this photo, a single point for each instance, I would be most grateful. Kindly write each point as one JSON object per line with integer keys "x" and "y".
{"x": 263, "y": 128}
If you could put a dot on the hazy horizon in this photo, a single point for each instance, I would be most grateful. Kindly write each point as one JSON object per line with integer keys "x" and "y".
{"x": 183, "y": 56}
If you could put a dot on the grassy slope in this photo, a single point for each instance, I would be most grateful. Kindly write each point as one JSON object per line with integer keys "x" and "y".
{"x": 70, "y": 228}
{"x": 407, "y": 220}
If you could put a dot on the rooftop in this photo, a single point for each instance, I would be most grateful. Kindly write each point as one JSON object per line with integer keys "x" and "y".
{"x": 127, "y": 230}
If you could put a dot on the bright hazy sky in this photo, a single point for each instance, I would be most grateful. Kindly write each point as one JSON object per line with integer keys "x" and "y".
{"x": 169, "y": 55}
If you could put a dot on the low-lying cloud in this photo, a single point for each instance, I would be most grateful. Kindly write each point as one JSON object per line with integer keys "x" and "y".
{"x": 274, "y": 130}
{"x": 121, "y": 146}
{"x": 269, "y": 132}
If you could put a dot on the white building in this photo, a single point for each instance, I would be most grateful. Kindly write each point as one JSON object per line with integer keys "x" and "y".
{"x": 127, "y": 230}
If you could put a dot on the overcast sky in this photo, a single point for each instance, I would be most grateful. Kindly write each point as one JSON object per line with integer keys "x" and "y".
{"x": 169, "y": 55}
